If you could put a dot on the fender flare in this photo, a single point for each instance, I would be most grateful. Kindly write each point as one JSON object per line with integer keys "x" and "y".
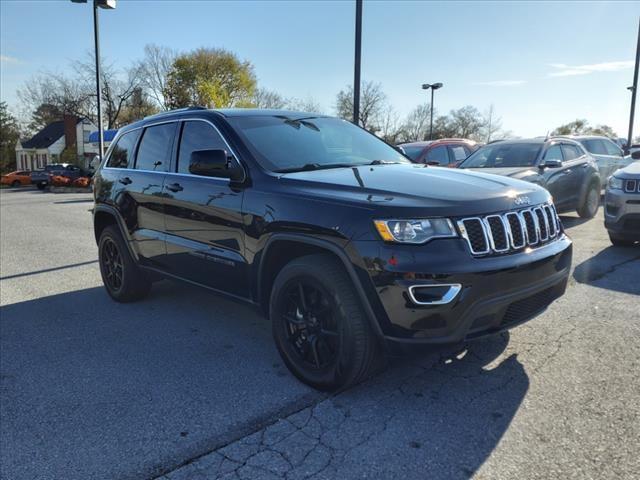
{"x": 594, "y": 177}
{"x": 344, "y": 259}
{"x": 119, "y": 222}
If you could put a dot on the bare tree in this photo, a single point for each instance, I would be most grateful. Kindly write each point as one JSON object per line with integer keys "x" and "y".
{"x": 263, "y": 98}
{"x": 373, "y": 102}
{"x": 307, "y": 105}
{"x": 492, "y": 125}
{"x": 153, "y": 71}
{"x": 416, "y": 125}
{"x": 391, "y": 129}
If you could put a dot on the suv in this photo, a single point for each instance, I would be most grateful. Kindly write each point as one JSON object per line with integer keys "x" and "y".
{"x": 447, "y": 152}
{"x": 622, "y": 205}
{"x": 608, "y": 155}
{"x": 42, "y": 178}
{"x": 560, "y": 165}
{"x": 341, "y": 241}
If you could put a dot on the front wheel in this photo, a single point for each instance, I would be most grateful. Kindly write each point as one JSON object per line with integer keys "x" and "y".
{"x": 620, "y": 241}
{"x": 123, "y": 279}
{"x": 591, "y": 202}
{"x": 319, "y": 325}
{"x": 41, "y": 186}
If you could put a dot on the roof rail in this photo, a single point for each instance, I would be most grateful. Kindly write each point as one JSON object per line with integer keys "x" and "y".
{"x": 177, "y": 110}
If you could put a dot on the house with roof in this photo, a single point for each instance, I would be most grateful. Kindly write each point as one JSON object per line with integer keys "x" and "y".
{"x": 46, "y": 146}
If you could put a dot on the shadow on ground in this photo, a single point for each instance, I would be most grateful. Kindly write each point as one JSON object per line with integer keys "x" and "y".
{"x": 624, "y": 261}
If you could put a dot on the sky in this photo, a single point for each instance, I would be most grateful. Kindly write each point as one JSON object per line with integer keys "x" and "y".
{"x": 540, "y": 64}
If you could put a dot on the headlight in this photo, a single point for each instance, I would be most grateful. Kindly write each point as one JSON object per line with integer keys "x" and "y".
{"x": 415, "y": 231}
{"x": 615, "y": 183}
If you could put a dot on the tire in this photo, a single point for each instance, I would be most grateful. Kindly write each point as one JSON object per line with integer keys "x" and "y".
{"x": 122, "y": 278}
{"x": 331, "y": 294}
{"x": 620, "y": 241}
{"x": 41, "y": 186}
{"x": 15, "y": 183}
{"x": 591, "y": 202}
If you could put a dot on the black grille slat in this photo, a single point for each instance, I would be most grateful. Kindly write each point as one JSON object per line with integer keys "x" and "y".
{"x": 511, "y": 231}
{"x": 475, "y": 233}
{"x": 631, "y": 186}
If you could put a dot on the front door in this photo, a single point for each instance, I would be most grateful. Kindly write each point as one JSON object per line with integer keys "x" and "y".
{"x": 559, "y": 181}
{"x": 205, "y": 235}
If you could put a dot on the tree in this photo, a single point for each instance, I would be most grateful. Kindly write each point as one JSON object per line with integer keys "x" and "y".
{"x": 306, "y": 105}
{"x": 582, "y": 127}
{"x": 416, "y": 126}
{"x": 492, "y": 125}
{"x": 9, "y": 135}
{"x": 263, "y": 98}
{"x": 211, "y": 77}
{"x": 42, "y": 116}
{"x": 391, "y": 129}
{"x": 153, "y": 71}
{"x": 373, "y": 102}
{"x": 137, "y": 107}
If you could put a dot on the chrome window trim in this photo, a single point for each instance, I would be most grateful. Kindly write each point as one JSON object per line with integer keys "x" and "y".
{"x": 452, "y": 293}
{"x": 178, "y": 120}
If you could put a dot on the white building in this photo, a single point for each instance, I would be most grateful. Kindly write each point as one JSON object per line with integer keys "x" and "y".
{"x": 46, "y": 146}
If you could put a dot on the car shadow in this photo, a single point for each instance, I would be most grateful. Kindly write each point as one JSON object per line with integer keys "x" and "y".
{"x": 95, "y": 389}
{"x": 614, "y": 268}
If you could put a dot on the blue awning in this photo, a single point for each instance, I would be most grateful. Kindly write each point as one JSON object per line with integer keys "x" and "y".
{"x": 108, "y": 135}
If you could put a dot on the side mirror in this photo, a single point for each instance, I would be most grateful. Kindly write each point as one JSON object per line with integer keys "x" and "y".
{"x": 636, "y": 155}
{"x": 212, "y": 163}
{"x": 551, "y": 163}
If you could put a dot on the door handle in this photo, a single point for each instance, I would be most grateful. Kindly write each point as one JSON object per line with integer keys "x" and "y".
{"x": 125, "y": 180}
{"x": 175, "y": 187}
{"x": 566, "y": 172}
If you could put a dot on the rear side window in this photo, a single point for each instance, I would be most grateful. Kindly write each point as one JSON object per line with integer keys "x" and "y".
{"x": 412, "y": 152}
{"x": 122, "y": 151}
{"x": 438, "y": 155}
{"x": 197, "y": 136}
{"x": 612, "y": 149}
{"x": 154, "y": 153}
{"x": 595, "y": 146}
{"x": 459, "y": 152}
{"x": 570, "y": 152}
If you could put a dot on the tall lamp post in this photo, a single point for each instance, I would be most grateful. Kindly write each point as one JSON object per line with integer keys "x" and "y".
{"x": 634, "y": 90}
{"x": 108, "y": 5}
{"x": 356, "y": 64}
{"x": 433, "y": 87}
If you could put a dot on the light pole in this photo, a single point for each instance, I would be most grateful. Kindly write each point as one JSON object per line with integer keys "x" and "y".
{"x": 109, "y": 5}
{"x": 634, "y": 90}
{"x": 356, "y": 65}
{"x": 433, "y": 87}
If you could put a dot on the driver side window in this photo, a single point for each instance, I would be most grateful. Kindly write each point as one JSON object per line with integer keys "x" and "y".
{"x": 554, "y": 153}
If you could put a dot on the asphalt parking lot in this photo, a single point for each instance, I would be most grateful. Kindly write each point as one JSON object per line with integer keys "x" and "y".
{"x": 189, "y": 385}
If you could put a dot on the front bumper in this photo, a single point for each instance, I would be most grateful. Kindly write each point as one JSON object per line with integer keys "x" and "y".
{"x": 622, "y": 213}
{"x": 496, "y": 292}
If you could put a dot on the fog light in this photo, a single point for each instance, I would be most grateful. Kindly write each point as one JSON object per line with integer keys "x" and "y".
{"x": 438, "y": 294}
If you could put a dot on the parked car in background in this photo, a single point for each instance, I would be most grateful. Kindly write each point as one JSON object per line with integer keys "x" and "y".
{"x": 608, "y": 154}
{"x": 447, "y": 152}
{"x": 560, "y": 165}
{"x": 42, "y": 178}
{"x": 341, "y": 241}
{"x": 621, "y": 142}
{"x": 622, "y": 204}
{"x": 17, "y": 178}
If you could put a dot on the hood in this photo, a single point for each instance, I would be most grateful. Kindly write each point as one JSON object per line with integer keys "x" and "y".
{"x": 444, "y": 191}
{"x": 513, "y": 172}
{"x": 630, "y": 171}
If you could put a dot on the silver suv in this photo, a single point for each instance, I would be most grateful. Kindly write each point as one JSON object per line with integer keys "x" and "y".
{"x": 622, "y": 204}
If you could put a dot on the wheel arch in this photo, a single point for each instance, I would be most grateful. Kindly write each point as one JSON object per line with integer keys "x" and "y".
{"x": 282, "y": 248}
{"x": 105, "y": 215}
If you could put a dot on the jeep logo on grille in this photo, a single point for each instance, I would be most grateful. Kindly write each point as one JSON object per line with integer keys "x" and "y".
{"x": 523, "y": 200}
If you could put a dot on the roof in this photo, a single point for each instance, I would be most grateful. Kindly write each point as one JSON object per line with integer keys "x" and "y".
{"x": 425, "y": 143}
{"x": 260, "y": 112}
{"x": 107, "y": 135}
{"x": 47, "y": 136}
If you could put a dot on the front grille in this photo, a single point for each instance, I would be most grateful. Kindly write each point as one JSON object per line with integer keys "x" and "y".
{"x": 510, "y": 231}
{"x": 632, "y": 186}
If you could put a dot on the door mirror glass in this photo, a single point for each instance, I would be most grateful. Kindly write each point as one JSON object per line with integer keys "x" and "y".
{"x": 209, "y": 163}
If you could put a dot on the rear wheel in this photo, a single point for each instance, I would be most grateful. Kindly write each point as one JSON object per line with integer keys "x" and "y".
{"x": 41, "y": 186}
{"x": 591, "y": 202}
{"x": 123, "y": 279}
{"x": 15, "y": 183}
{"x": 319, "y": 325}
{"x": 620, "y": 241}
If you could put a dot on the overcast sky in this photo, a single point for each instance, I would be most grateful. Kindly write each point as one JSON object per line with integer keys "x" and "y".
{"x": 540, "y": 64}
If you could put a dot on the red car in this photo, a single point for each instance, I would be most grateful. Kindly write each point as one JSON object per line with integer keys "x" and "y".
{"x": 447, "y": 152}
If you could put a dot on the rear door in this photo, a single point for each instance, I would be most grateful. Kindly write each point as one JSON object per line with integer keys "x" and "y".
{"x": 205, "y": 234}
{"x": 141, "y": 201}
{"x": 559, "y": 181}
{"x": 606, "y": 163}
{"x": 617, "y": 156}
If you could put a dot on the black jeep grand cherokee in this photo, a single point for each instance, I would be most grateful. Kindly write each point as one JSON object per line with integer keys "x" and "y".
{"x": 343, "y": 243}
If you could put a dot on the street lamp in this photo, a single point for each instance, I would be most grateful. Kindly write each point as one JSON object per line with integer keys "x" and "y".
{"x": 634, "y": 90}
{"x": 433, "y": 87}
{"x": 107, "y": 5}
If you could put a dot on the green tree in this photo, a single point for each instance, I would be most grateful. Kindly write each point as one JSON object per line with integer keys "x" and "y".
{"x": 9, "y": 135}
{"x": 582, "y": 127}
{"x": 210, "y": 77}
{"x": 42, "y": 116}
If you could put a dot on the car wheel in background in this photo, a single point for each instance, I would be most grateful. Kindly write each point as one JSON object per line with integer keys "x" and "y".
{"x": 15, "y": 183}
{"x": 620, "y": 241}
{"x": 41, "y": 186}
{"x": 319, "y": 325}
{"x": 591, "y": 202}
{"x": 123, "y": 279}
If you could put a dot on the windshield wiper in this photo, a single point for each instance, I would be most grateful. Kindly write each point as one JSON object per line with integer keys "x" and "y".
{"x": 315, "y": 166}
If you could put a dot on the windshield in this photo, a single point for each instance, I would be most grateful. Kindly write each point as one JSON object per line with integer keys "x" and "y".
{"x": 412, "y": 152}
{"x": 283, "y": 144}
{"x": 504, "y": 155}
